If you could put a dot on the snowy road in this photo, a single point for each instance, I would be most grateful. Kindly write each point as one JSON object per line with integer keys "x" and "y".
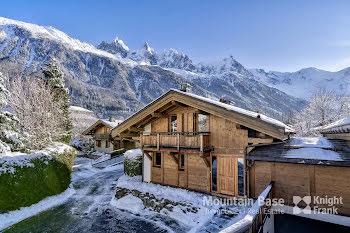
{"x": 89, "y": 209}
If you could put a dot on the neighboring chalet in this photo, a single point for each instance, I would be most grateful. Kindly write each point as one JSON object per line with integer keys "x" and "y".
{"x": 197, "y": 143}
{"x": 311, "y": 167}
{"x": 101, "y": 134}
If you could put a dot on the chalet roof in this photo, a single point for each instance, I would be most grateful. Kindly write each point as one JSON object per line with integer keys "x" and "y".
{"x": 341, "y": 126}
{"x": 101, "y": 122}
{"x": 206, "y": 105}
{"x": 317, "y": 151}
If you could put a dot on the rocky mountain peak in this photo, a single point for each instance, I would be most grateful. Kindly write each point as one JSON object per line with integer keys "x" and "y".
{"x": 117, "y": 46}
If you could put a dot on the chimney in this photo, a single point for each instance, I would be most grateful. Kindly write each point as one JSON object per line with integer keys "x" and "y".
{"x": 225, "y": 101}
{"x": 112, "y": 119}
{"x": 185, "y": 87}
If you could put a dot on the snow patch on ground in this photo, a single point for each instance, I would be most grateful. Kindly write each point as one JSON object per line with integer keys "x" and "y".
{"x": 16, "y": 216}
{"x": 129, "y": 202}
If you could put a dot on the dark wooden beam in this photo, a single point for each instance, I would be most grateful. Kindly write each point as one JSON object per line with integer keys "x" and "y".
{"x": 159, "y": 115}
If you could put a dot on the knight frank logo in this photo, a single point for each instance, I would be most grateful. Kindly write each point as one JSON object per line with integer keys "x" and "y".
{"x": 320, "y": 205}
{"x": 297, "y": 209}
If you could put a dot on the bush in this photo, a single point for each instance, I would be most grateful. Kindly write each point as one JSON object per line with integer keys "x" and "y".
{"x": 28, "y": 185}
{"x": 133, "y": 162}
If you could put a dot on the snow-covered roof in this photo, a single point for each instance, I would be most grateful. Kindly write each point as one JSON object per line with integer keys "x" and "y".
{"x": 235, "y": 109}
{"x": 112, "y": 124}
{"x": 340, "y": 126}
{"x": 317, "y": 150}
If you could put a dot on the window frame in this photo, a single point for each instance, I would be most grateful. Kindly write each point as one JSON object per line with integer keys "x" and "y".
{"x": 98, "y": 143}
{"x": 107, "y": 144}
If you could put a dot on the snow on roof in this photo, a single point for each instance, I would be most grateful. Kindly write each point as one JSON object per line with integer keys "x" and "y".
{"x": 76, "y": 108}
{"x": 112, "y": 124}
{"x": 314, "y": 142}
{"x": 313, "y": 153}
{"x": 235, "y": 109}
{"x": 337, "y": 126}
{"x": 305, "y": 150}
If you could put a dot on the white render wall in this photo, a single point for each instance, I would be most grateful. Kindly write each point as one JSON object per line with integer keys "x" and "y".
{"x": 103, "y": 148}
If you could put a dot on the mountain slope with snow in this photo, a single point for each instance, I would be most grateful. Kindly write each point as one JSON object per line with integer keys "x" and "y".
{"x": 305, "y": 82}
{"x": 115, "y": 80}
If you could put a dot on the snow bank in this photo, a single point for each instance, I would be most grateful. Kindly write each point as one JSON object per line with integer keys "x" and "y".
{"x": 16, "y": 216}
{"x": 10, "y": 160}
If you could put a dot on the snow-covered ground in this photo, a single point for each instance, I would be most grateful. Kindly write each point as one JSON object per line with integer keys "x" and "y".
{"x": 187, "y": 207}
{"x": 90, "y": 206}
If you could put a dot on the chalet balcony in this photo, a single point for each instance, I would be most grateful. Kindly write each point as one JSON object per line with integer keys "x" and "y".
{"x": 102, "y": 136}
{"x": 189, "y": 141}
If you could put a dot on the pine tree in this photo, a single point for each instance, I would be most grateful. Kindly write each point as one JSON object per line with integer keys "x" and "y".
{"x": 53, "y": 77}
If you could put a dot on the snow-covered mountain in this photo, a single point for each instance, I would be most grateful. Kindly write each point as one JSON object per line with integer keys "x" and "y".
{"x": 115, "y": 80}
{"x": 305, "y": 82}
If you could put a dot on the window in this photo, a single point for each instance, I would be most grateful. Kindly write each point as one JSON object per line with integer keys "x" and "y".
{"x": 158, "y": 160}
{"x": 214, "y": 173}
{"x": 202, "y": 123}
{"x": 98, "y": 143}
{"x": 173, "y": 123}
{"x": 240, "y": 170}
{"x": 182, "y": 162}
{"x": 108, "y": 144}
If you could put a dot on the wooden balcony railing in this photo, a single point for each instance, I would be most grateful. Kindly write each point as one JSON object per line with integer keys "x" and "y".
{"x": 101, "y": 136}
{"x": 177, "y": 140}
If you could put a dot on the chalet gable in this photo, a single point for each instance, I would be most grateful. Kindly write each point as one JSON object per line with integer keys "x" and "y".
{"x": 175, "y": 98}
{"x": 98, "y": 124}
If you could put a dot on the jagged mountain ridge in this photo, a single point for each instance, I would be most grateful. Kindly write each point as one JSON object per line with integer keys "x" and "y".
{"x": 112, "y": 80}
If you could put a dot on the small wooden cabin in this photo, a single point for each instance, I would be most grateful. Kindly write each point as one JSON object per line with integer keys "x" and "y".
{"x": 101, "y": 134}
{"x": 197, "y": 143}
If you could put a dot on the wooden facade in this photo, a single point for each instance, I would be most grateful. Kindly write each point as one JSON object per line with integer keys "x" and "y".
{"x": 195, "y": 144}
{"x": 292, "y": 179}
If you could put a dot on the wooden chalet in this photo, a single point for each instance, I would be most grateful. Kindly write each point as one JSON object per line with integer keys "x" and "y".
{"x": 101, "y": 134}
{"x": 197, "y": 143}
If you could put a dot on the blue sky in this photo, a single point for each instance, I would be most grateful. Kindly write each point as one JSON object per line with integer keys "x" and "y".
{"x": 274, "y": 35}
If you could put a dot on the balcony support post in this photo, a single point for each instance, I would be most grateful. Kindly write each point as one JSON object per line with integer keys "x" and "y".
{"x": 178, "y": 141}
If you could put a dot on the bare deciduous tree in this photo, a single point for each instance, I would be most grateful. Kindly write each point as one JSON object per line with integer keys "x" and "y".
{"x": 324, "y": 108}
{"x": 40, "y": 117}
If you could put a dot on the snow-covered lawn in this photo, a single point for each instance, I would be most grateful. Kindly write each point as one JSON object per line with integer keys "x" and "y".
{"x": 184, "y": 206}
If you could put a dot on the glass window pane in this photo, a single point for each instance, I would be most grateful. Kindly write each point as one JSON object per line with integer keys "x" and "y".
{"x": 214, "y": 174}
{"x": 173, "y": 124}
{"x": 202, "y": 123}
{"x": 240, "y": 176}
{"x": 158, "y": 159}
{"x": 182, "y": 161}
